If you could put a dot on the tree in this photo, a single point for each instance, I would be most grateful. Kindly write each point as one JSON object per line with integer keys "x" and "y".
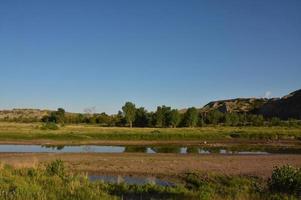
{"x": 119, "y": 119}
{"x": 275, "y": 121}
{"x": 256, "y": 120}
{"x": 80, "y": 118}
{"x": 56, "y": 116}
{"x": 214, "y": 117}
{"x": 201, "y": 121}
{"x": 162, "y": 116}
{"x": 191, "y": 117}
{"x": 103, "y": 119}
{"x": 142, "y": 118}
{"x": 175, "y": 118}
{"x": 243, "y": 119}
{"x": 129, "y": 111}
{"x": 231, "y": 119}
{"x": 60, "y": 115}
{"x": 159, "y": 117}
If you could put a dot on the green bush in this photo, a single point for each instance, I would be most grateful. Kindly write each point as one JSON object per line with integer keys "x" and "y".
{"x": 222, "y": 187}
{"x": 56, "y": 167}
{"x": 286, "y": 179}
{"x": 48, "y": 183}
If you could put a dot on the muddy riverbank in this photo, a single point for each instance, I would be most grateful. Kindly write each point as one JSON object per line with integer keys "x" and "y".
{"x": 224, "y": 142}
{"x": 157, "y": 164}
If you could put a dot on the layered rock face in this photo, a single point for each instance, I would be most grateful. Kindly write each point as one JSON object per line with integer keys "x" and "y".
{"x": 286, "y": 107}
{"x": 239, "y": 105}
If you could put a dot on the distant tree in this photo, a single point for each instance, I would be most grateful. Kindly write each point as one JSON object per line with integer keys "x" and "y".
{"x": 214, "y": 117}
{"x": 103, "y": 119}
{"x": 55, "y": 117}
{"x": 175, "y": 117}
{"x": 60, "y": 112}
{"x": 191, "y": 117}
{"x": 60, "y": 115}
{"x": 243, "y": 119}
{"x": 119, "y": 119}
{"x": 142, "y": 118}
{"x": 275, "y": 121}
{"x": 201, "y": 121}
{"x": 231, "y": 119}
{"x": 256, "y": 120}
{"x": 162, "y": 115}
{"x": 153, "y": 119}
{"x": 129, "y": 111}
{"x": 159, "y": 117}
{"x": 80, "y": 118}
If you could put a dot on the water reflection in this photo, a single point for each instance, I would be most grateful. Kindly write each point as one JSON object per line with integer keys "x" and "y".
{"x": 134, "y": 149}
{"x": 193, "y": 149}
{"x": 56, "y": 147}
{"x": 167, "y": 149}
{"x": 148, "y": 149}
{"x": 131, "y": 180}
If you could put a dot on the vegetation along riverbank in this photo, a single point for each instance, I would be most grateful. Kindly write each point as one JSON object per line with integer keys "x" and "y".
{"x": 55, "y": 181}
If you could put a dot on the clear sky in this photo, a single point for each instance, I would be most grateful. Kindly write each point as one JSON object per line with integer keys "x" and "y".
{"x": 83, "y": 53}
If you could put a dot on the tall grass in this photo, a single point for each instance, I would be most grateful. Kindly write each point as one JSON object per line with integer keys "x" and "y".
{"x": 54, "y": 181}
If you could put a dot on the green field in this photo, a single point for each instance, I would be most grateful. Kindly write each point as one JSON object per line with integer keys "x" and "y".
{"x": 20, "y": 131}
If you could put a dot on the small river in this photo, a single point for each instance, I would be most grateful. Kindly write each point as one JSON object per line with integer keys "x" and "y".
{"x": 11, "y": 148}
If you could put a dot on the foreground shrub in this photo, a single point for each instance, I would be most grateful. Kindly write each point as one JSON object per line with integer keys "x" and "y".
{"x": 56, "y": 168}
{"x": 54, "y": 181}
{"x": 286, "y": 179}
{"x": 223, "y": 187}
{"x": 47, "y": 183}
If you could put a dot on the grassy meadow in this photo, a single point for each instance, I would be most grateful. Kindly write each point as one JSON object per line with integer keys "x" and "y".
{"x": 34, "y": 131}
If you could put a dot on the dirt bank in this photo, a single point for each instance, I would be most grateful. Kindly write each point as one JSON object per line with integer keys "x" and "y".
{"x": 225, "y": 142}
{"x": 157, "y": 164}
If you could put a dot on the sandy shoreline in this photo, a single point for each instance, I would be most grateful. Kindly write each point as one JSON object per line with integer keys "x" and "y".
{"x": 157, "y": 164}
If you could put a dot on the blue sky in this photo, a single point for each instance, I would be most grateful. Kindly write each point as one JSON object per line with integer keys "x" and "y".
{"x": 78, "y": 54}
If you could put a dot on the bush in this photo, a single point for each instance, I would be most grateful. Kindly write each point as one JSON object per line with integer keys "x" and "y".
{"x": 286, "y": 179}
{"x": 49, "y": 126}
{"x": 43, "y": 183}
{"x": 222, "y": 187}
{"x": 56, "y": 168}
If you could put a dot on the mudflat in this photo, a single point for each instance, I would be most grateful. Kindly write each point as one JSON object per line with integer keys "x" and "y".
{"x": 157, "y": 164}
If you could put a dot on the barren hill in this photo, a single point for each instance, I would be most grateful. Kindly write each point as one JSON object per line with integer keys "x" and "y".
{"x": 286, "y": 107}
{"x": 23, "y": 113}
{"x": 239, "y": 105}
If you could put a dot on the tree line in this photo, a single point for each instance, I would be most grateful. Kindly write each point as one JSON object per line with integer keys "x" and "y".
{"x": 164, "y": 117}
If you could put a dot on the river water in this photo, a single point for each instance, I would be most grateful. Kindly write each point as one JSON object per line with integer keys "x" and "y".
{"x": 12, "y": 148}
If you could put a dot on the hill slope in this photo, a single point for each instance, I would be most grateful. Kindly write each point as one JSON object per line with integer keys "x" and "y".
{"x": 239, "y": 105}
{"x": 286, "y": 107}
{"x": 23, "y": 113}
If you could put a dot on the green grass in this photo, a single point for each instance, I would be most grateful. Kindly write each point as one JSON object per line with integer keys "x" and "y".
{"x": 18, "y": 131}
{"x": 39, "y": 184}
{"x": 234, "y": 187}
{"x": 54, "y": 181}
